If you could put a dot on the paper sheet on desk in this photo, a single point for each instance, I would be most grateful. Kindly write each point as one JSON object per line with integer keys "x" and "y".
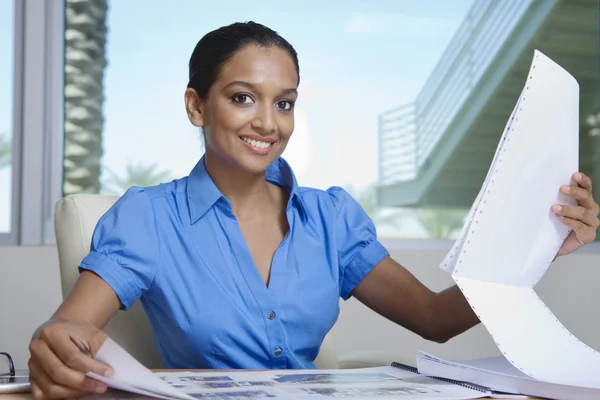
{"x": 363, "y": 383}
{"x": 511, "y": 236}
{"x": 377, "y": 383}
{"x": 130, "y": 375}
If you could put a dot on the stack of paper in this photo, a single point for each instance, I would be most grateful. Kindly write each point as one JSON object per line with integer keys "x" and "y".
{"x": 512, "y": 236}
{"x": 499, "y": 375}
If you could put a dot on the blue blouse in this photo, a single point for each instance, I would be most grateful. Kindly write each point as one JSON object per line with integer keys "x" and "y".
{"x": 178, "y": 247}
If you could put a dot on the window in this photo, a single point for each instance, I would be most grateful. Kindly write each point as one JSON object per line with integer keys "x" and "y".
{"x": 435, "y": 151}
{"x": 402, "y": 103}
{"x": 6, "y": 115}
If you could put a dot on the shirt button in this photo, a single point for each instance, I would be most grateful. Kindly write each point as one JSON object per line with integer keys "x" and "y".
{"x": 277, "y": 352}
{"x": 271, "y": 315}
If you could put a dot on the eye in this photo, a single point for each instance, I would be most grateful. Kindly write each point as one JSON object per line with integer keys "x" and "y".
{"x": 242, "y": 98}
{"x": 285, "y": 105}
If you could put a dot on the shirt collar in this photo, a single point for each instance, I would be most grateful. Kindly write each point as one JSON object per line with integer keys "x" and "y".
{"x": 203, "y": 194}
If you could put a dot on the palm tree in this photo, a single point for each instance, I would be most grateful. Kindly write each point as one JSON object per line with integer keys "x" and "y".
{"x": 85, "y": 61}
{"x": 367, "y": 198}
{"x": 136, "y": 175}
{"x": 441, "y": 223}
{"x": 5, "y": 150}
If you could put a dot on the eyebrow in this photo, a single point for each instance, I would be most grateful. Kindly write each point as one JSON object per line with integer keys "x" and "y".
{"x": 254, "y": 88}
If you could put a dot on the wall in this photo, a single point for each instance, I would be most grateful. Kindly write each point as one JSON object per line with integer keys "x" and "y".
{"x": 30, "y": 292}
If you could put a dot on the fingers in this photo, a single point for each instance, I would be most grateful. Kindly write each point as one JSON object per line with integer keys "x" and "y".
{"x": 583, "y": 218}
{"x": 583, "y": 181}
{"x": 588, "y": 218}
{"x": 54, "y": 378}
{"x": 42, "y": 386}
{"x": 73, "y": 352}
{"x": 582, "y": 195}
{"x": 584, "y": 233}
{"x": 36, "y": 391}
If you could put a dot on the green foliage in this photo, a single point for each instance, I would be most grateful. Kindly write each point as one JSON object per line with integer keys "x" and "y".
{"x": 136, "y": 175}
{"x": 5, "y": 150}
{"x": 367, "y": 198}
{"x": 441, "y": 223}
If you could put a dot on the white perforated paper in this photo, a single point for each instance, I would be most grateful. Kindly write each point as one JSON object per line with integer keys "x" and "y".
{"x": 511, "y": 235}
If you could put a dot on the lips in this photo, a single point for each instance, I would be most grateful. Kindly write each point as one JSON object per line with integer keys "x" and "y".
{"x": 259, "y": 144}
{"x": 259, "y": 147}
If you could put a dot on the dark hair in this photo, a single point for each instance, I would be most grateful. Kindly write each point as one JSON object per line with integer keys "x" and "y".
{"x": 218, "y": 46}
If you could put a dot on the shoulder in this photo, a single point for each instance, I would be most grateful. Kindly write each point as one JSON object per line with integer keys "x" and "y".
{"x": 161, "y": 191}
{"x": 137, "y": 195}
{"x": 332, "y": 206}
{"x": 140, "y": 203}
{"x": 135, "y": 220}
{"x": 334, "y": 197}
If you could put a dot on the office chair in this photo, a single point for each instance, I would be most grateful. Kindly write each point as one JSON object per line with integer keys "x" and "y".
{"x": 75, "y": 219}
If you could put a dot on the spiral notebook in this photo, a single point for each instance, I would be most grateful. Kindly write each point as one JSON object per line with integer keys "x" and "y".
{"x": 463, "y": 383}
{"x": 498, "y": 374}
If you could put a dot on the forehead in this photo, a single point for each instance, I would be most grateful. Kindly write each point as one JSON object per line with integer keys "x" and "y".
{"x": 259, "y": 65}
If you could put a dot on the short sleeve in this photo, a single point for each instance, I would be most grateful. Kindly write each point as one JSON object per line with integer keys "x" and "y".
{"x": 359, "y": 251}
{"x": 125, "y": 246}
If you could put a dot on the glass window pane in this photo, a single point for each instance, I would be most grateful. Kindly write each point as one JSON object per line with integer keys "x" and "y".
{"x": 125, "y": 120}
{"x": 6, "y": 112}
{"x": 436, "y": 150}
{"x": 388, "y": 89}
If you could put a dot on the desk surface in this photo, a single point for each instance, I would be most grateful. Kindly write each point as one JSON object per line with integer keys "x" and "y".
{"x": 27, "y": 396}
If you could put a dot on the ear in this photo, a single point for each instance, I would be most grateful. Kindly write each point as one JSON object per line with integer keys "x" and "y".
{"x": 193, "y": 107}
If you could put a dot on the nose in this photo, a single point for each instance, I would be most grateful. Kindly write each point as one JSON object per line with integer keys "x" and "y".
{"x": 265, "y": 120}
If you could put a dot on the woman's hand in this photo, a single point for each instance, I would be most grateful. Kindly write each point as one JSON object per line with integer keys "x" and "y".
{"x": 582, "y": 218}
{"x": 60, "y": 357}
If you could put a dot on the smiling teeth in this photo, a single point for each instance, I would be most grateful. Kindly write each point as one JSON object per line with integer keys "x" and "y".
{"x": 256, "y": 143}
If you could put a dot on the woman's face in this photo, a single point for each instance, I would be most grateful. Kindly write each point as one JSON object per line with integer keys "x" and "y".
{"x": 248, "y": 115}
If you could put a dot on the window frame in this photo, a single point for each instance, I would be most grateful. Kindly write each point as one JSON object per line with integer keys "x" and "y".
{"x": 37, "y": 134}
{"x": 12, "y": 237}
{"x": 54, "y": 118}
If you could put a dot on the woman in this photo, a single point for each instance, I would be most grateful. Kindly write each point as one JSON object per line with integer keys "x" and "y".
{"x": 236, "y": 265}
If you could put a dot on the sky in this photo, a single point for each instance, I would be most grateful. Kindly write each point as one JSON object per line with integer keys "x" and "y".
{"x": 357, "y": 60}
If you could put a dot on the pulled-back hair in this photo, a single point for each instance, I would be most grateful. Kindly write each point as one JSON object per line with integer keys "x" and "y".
{"x": 218, "y": 46}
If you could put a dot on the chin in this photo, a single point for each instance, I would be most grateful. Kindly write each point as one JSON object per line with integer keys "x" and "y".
{"x": 256, "y": 161}
{"x": 248, "y": 159}
{"x": 256, "y": 164}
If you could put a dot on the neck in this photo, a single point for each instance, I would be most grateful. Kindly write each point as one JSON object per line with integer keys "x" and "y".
{"x": 245, "y": 190}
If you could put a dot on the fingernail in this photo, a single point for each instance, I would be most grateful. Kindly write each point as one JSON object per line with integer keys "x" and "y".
{"x": 566, "y": 188}
{"x": 100, "y": 388}
{"x": 556, "y": 208}
{"x": 578, "y": 176}
{"x": 108, "y": 373}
